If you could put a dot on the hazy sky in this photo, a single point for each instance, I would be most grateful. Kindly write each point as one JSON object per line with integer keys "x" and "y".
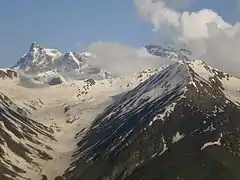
{"x": 75, "y": 24}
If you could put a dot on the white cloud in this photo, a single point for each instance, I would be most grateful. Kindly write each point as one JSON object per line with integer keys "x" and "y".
{"x": 189, "y": 25}
{"x": 122, "y": 59}
{"x": 205, "y": 32}
{"x": 157, "y": 13}
{"x": 238, "y": 2}
{"x": 221, "y": 49}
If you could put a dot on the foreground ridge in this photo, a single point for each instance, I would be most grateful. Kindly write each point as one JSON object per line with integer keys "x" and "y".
{"x": 183, "y": 117}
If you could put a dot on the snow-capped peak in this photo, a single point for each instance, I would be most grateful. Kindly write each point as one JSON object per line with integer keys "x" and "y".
{"x": 39, "y": 62}
{"x": 38, "y": 59}
{"x": 186, "y": 105}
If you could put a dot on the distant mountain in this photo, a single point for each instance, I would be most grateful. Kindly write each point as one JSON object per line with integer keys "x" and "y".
{"x": 50, "y": 65}
{"x": 180, "y": 124}
{"x": 169, "y": 52}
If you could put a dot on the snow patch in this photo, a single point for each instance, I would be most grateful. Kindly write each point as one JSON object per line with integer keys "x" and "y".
{"x": 177, "y": 137}
{"x": 169, "y": 109}
{"x": 218, "y": 143}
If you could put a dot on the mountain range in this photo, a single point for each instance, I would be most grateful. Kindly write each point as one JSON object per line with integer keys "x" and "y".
{"x": 63, "y": 118}
{"x": 50, "y": 66}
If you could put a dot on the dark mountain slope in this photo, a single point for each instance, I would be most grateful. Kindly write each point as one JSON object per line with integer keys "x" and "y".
{"x": 179, "y": 124}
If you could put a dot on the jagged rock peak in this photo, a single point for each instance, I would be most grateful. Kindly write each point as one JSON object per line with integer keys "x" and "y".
{"x": 33, "y": 46}
{"x": 45, "y": 64}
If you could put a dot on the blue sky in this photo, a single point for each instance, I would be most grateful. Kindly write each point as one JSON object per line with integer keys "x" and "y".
{"x": 73, "y": 25}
